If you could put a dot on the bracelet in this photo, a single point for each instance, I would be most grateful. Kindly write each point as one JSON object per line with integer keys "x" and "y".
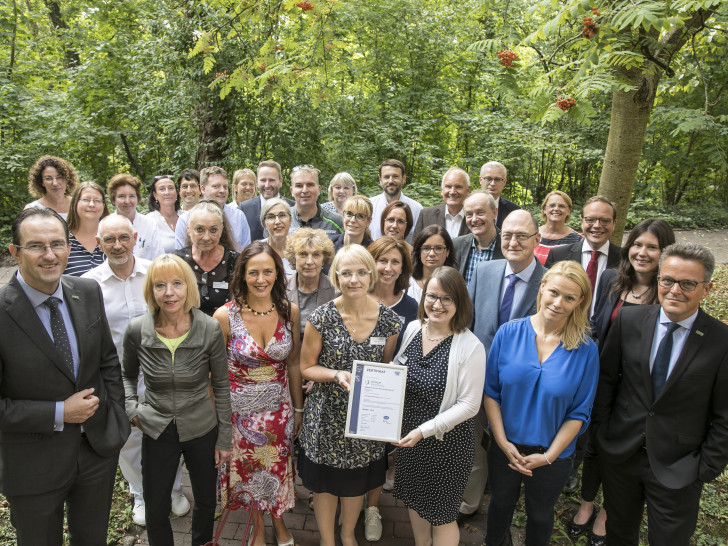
{"x": 547, "y": 459}
{"x": 336, "y": 375}
{"x": 298, "y": 410}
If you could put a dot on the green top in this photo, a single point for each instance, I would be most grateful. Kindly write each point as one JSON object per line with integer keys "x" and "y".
{"x": 172, "y": 344}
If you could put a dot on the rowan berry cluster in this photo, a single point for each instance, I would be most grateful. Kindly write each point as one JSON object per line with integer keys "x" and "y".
{"x": 590, "y": 27}
{"x": 507, "y": 57}
{"x": 305, "y": 6}
{"x": 566, "y": 104}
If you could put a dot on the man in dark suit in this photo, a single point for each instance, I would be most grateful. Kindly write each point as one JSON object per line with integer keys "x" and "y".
{"x": 501, "y": 290}
{"x": 661, "y": 410}
{"x": 270, "y": 181}
{"x": 482, "y": 244}
{"x": 493, "y": 179}
{"x": 449, "y": 214}
{"x": 62, "y": 422}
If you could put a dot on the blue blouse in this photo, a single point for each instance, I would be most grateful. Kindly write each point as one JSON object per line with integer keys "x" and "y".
{"x": 535, "y": 398}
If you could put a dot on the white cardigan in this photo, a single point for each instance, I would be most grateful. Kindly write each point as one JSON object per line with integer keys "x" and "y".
{"x": 465, "y": 381}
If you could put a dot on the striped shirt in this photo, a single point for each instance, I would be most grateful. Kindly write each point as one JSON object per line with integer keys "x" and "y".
{"x": 476, "y": 256}
{"x": 81, "y": 260}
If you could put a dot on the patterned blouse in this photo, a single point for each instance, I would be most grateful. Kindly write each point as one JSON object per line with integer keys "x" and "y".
{"x": 324, "y": 420}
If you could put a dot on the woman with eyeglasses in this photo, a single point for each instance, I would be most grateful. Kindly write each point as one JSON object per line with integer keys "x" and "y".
{"x": 433, "y": 248}
{"x": 555, "y": 211}
{"x": 357, "y": 215}
{"x": 445, "y": 375}
{"x": 540, "y": 383}
{"x": 397, "y": 221}
{"x": 88, "y": 207}
{"x": 210, "y": 252}
{"x": 341, "y": 188}
{"x": 633, "y": 283}
{"x": 353, "y": 326}
{"x": 52, "y": 180}
{"x": 275, "y": 215}
{"x": 164, "y": 209}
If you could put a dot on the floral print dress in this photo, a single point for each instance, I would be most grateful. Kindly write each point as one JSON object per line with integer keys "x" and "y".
{"x": 260, "y": 473}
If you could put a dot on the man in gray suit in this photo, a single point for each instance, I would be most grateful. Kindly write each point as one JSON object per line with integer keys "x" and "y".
{"x": 448, "y": 214}
{"x": 482, "y": 244}
{"x": 501, "y": 290}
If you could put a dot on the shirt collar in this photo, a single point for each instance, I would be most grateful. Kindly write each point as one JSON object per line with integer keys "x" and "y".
{"x": 36, "y": 297}
{"x": 685, "y": 323}
{"x": 140, "y": 268}
{"x": 525, "y": 274}
{"x": 316, "y": 216}
{"x": 458, "y": 215}
{"x": 604, "y": 249}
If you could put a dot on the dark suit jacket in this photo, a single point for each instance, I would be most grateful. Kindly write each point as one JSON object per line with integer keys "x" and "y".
{"x": 462, "y": 251}
{"x": 573, "y": 253}
{"x": 251, "y": 208}
{"x": 685, "y": 429}
{"x": 33, "y": 458}
{"x": 606, "y": 299}
{"x": 505, "y": 207}
{"x": 486, "y": 287}
{"x": 436, "y": 215}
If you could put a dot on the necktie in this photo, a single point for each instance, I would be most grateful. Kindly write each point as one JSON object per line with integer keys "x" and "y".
{"x": 662, "y": 360}
{"x": 592, "y": 268}
{"x": 60, "y": 335}
{"x": 507, "y": 304}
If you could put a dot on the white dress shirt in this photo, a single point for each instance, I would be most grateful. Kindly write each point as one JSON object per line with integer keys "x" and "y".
{"x": 453, "y": 223}
{"x": 148, "y": 244}
{"x": 520, "y": 288}
{"x": 679, "y": 337}
{"x": 586, "y": 251}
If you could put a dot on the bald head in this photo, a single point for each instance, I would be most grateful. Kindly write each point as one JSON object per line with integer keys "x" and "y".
{"x": 116, "y": 237}
{"x": 519, "y": 238}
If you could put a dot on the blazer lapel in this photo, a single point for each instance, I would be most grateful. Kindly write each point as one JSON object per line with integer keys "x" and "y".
{"x": 647, "y": 334}
{"x": 529, "y": 296}
{"x": 22, "y": 312}
{"x": 575, "y": 252}
{"x": 79, "y": 316}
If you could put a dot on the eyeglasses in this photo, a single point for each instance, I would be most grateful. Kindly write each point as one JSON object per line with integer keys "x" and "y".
{"x": 591, "y": 220}
{"x": 489, "y": 179}
{"x": 280, "y": 216}
{"x": 50, "y": 179}
{"x": 559, "y": 206}
{"x": 86, "y": 201}
{"x": 358, "y": 215}
{"x": 520, "y": 237}
{"x": 445, "y": 301}
{"x": 57, "y": 247}
{"x": 392, "y": 220}
{"x": 685, "y": 285}
{"x": 347, "y": 275}
{"x": 204, "y": 290}
{"x": 439, "y": 249}
{"x": 123, "y": 239}
{"x": 305, "y": 166}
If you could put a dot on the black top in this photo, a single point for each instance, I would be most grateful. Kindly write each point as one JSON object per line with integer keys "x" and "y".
{"x": 214, "y": 284}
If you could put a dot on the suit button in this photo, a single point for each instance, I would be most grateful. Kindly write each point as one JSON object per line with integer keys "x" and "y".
{"x": 651, "y": 414}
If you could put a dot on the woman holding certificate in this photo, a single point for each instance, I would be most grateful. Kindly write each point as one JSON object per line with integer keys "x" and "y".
{"x": 351, "y": 327}
{"x": 445, "y": 375}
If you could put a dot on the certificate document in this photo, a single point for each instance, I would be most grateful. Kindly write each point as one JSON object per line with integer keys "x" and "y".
{"x": 376, "y": 401}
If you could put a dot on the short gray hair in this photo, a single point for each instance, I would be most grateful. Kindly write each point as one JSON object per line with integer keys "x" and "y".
{"x": 106, "y": 219}
{"x": 491, "y": 202}
{"x": 691, "y": 251}
{"x": 495, "y": 164}
{"x": 456, "y": 170}
{"x": 269, "y": 204}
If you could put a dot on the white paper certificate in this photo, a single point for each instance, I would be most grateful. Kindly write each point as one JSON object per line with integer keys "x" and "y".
{"x": 376, "y": 401}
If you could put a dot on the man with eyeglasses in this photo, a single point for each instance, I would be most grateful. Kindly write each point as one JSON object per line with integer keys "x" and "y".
{"x": 62, "y": 422}
{"x": 482, "y": 244}
{"x": 270, "y": 182}
{"x": 121, "y": 278}
{"x": 392, "y": 177}
{"x": 305, "y": 190}
{"x": 449, "y": 214}
{"x": 214, "y": 185}
{"x": 661, "y": 410}
{"x": 501, "y": 290}
{"x": 493, "y": 178}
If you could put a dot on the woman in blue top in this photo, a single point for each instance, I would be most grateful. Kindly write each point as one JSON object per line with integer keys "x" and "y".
{"x": 540, "y": 383}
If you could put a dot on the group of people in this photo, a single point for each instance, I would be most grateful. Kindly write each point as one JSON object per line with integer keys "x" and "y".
{"x": 224, "y": 332}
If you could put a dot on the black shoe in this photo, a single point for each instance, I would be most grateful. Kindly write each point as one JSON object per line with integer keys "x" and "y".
{"x": 575, "y": 530}
{"x": 462, "y": 517}
{"x": 572, "y": 483}
{"x": 597, "y": 540}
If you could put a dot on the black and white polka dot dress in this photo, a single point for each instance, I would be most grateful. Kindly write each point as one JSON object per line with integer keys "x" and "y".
{"x": 431, "y": 476}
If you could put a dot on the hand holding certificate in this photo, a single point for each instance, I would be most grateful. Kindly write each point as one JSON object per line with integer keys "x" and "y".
{"x": 376, "y": 401}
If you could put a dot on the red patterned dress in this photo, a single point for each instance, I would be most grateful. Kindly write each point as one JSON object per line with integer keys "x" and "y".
{"x": 260, "y": 474}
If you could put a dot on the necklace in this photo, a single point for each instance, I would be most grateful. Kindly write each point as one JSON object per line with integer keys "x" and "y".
{"x": 431, "y": 339}
{"x": 348, "y": 322}
{"x": 259, "y": 313}
{"x": 638, "y": 296}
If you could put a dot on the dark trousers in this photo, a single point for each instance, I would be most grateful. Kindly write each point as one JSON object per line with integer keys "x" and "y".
{"x": 591, "y": 477}
{"x": 542, "y": 490}
{"x": 160, "y": 459}
{"x": 38, "y": 519}
{"x": 672, "y": 514}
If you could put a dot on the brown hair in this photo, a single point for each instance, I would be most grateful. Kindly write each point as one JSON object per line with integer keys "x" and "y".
{"x": 407, "y": 215}
{"x": 64, "y": 168}
{"x": 386, "y": 243}
{"x": 119, "y": 180}
{"x": 453, "y": 284}
{"x": 72, "y": 219}
{"x": 392, "y": 163}
{"x": 600, "y": 199}
{"x": 563, "y": 196}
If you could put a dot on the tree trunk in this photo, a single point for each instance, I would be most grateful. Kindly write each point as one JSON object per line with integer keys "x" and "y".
{"x": 630, "y": 115}
{"x": 56, "y": 17}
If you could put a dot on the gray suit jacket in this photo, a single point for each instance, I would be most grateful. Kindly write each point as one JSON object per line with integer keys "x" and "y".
{"x": 462, "y": 251}
{"x": 435, "y": 215}
{"x": 486, "y": 288}
{"x": 34, "y": 458}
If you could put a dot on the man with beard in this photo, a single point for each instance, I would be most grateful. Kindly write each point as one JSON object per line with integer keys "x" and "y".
{"x": 392, "y": 177}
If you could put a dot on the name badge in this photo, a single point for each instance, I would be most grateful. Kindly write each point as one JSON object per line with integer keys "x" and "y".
{"x": 377, "y": 341}
{"x": 220, "y": 285}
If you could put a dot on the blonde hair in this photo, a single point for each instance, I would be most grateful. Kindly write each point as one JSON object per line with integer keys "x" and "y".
{"x": 345, "y": 179}
{"x": 310, "y": 239}
{"x": 563, "y": 196}
{"x": 355, "y": 253}
{"x": 576, "y": 330}
{"x": 170, "y": 264}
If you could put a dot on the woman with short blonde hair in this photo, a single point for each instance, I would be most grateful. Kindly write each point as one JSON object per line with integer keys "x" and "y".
{"x": 341, "y": 188}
